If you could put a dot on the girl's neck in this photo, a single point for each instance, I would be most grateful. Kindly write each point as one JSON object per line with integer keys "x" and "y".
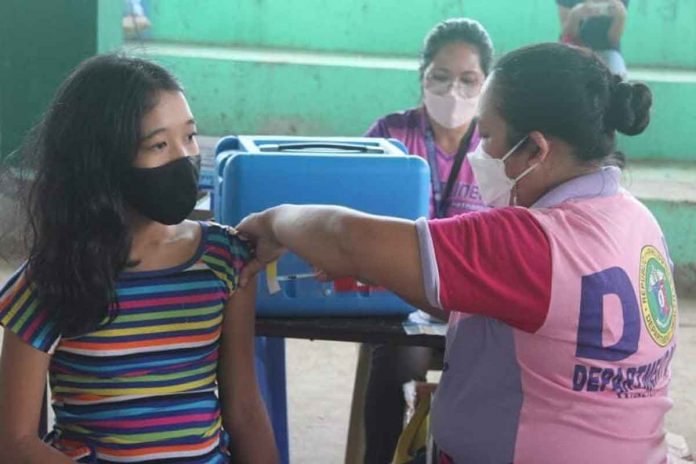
{"x": 157, "y": 246}
{"x": 146, "y": 232}
{"x": 447, "y": 139}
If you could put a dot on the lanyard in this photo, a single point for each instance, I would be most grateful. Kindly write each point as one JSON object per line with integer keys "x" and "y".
{"x": 440, "y": 198}
{"x": 434, "y": 171}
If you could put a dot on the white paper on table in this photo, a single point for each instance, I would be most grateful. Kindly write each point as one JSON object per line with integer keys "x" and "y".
{"x": 420, "y": 323}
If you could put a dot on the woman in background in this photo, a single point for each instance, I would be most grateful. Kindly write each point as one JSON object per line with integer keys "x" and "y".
{"x": 455, "y": 60}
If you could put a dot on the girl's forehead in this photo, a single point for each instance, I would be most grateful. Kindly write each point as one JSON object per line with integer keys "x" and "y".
{"x": 171, "y": 108}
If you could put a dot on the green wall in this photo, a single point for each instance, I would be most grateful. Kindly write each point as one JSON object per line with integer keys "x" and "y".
{"x": 659, "y": 32}
{"x": 230, "y": 97}
{"x": 261, "y": 94}
{"x": 673, "y": 120}
{"x": 678, "y": 221}
{"x": 40, "y": 42}
{"x": 314, "y": 96}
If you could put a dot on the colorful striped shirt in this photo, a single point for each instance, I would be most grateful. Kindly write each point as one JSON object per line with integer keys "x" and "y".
{"x": 141, "y": 388}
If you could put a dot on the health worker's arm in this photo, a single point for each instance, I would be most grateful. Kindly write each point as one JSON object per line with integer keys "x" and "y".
{"x": 494, "y": 263}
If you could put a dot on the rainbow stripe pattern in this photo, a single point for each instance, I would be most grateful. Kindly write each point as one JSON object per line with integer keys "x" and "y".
{"x": 142, "y": 388}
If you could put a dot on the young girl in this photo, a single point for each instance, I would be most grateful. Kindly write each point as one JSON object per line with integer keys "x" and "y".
{"x": 132, "y": 310}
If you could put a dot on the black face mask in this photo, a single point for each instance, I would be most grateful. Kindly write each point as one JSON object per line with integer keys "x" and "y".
{"x": 166, "y": 194}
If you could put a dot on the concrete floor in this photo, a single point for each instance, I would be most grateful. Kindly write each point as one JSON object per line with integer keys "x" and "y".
{"x": 321, "y": 375}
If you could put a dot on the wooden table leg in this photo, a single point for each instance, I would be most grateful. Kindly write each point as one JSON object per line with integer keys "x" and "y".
{"x": 355, "y": 447}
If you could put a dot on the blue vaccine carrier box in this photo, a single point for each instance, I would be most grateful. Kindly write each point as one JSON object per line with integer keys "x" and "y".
{"x": 373, "y": 175}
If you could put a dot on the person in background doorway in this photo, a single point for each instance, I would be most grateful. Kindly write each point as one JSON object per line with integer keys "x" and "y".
{"x": 598, "y": 25}
{"x": 135, "y": 21}
{"x": 455, "y": 60}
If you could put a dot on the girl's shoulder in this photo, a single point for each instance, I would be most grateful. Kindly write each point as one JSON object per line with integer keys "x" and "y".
{"x": 22, "y": 313}
{"x": 226, "y": 237}
{"x": 225, "y": 252}
{"x": 12, "y": 291}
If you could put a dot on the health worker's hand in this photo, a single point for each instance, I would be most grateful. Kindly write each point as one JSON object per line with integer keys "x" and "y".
{"x": 257, "y": 229}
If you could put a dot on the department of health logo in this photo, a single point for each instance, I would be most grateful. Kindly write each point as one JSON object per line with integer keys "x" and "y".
{"x": 658, "y": 300}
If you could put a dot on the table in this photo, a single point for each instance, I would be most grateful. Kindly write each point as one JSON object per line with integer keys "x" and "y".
{"x": 270, "y": 363}
{"x": 373, "y": 329}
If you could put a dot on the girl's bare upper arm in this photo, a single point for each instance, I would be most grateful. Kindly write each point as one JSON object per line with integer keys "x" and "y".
{"x": 237, "y": 342}
{"x": 244, "y": 414}
{"x": 23, "y": 372}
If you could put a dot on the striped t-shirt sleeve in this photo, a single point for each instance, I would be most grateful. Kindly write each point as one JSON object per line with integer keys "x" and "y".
{"x": 22, "y": 313}
{"x": 227, "y": 254}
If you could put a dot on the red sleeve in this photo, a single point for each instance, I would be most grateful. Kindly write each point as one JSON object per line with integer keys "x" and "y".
{"x": 495, "y": 263}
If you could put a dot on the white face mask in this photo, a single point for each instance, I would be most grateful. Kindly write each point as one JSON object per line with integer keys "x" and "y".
{"x": 451, "y": 109}
{"x": 494, "y": 184}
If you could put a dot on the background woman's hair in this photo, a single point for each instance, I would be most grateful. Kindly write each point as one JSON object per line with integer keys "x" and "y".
{"x": 568, "y": 92}
{"x": 457, "y": 30}
{"x": 80, "y": 152}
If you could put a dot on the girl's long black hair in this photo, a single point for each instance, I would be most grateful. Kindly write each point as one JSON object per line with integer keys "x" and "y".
{"x": 80, "y": 152}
